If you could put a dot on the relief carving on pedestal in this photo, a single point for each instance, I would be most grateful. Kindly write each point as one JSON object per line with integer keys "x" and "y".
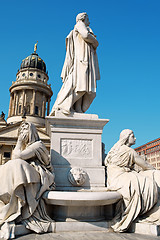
{"x": 77, "y": 148}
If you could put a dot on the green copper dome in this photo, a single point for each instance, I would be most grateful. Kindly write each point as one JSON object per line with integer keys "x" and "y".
{"x": 33, "y": 61}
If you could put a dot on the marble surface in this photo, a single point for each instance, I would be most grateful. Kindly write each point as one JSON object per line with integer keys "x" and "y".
{"x": 81, "y": 198}
{"x": 87, "y": 235}
{"x": 80, "y": 70}
{"x": 81, "y": 207}
{"x": 30, "y": 175}
{"x": 140, "y": 190}
{"x": 76, "y": 143}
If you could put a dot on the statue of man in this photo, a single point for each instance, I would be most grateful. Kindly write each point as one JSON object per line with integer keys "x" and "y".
{"x": 80, "y": 70}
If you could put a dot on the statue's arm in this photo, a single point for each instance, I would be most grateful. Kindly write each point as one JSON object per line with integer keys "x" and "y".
{"x": 25, "y": 154}
{"x": 86, "y": 35}
{"x": 142, "y": 163}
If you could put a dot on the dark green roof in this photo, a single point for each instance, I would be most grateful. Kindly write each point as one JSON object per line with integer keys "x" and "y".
{"x": 33, "y": 61}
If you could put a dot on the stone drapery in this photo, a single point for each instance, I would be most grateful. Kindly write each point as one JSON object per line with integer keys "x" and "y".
{"x": 138, "y": 189}
{"x": 80, "y": 70}
{"x": 23, "y": 181}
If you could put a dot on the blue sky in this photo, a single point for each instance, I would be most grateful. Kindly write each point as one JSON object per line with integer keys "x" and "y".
{"x": 129, "y": 56}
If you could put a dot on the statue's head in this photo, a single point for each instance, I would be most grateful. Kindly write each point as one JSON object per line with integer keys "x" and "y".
{"x": 127, "y": 136}
{"x": 83, "y": 17}
{"x": 29, "y": 132}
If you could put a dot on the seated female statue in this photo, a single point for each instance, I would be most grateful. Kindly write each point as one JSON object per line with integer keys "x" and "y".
{"x": 138, "y": 189}
{"x": 23, "y": 181}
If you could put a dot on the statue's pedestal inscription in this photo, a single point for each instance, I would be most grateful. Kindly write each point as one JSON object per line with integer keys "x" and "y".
{"x": 76, "y": 143}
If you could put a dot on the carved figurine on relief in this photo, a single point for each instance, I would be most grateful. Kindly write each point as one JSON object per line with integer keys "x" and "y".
{"x": 23, "y": 181}
{"x": 138, "y": 189}
{"x": 80, "y": 70}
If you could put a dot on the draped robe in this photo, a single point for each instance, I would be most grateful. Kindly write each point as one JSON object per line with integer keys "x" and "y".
{"x": 138, "y": 189}
{"x": 80, "y": 70}
{"x": 23, "y": 181}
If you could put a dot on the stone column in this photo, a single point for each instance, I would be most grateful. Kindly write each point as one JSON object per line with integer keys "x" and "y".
{"x": 23, "y": 98}
{"x": 10, "y": 106}
{"x": 14, "y": 104}
{"x": 16, "y": 110}
{"x": 34, "y": 99}
{"x": 43, "y": 106}
{"x": 48, "y": 106}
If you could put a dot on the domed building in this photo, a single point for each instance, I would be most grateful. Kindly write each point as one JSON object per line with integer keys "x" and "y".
{"x": 30, "y": 94}
{"x": 30, "y": 97}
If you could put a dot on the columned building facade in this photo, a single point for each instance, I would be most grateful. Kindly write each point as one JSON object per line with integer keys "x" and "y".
{"x": 30, "y": 97}
{"x": 30, "y": 94}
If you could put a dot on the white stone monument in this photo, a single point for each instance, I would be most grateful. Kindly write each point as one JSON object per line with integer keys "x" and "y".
{"x": 76, "y": 145}
{"x": 76, "y": 151}
{"x": 76, "y": 156}
{"x": 80, "y": 70}
{"x": 81, "y": 201}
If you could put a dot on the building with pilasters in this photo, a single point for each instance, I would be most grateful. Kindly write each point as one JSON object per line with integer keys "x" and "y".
{"x": 151, "y": 151}
{"x": 30, "y": 97}
{"x": 30, "y": 93}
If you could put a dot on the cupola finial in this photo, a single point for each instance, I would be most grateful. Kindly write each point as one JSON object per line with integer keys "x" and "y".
{"x": 35, "y": 47}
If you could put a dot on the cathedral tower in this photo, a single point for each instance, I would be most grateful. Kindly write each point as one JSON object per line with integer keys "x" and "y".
{"x": 30, "y": 94}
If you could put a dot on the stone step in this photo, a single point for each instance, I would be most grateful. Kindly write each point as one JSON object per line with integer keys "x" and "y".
{"x": 86, "y": 200}
{"x": 101, "y": 226}
{"x": 145, "y": 228}
{"x": 20, "y": 229}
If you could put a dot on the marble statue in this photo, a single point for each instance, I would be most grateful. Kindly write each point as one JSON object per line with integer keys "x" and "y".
{"x": 80, "y": 70}
{"x": 23, "y": 181}
{"x": 138, "y": 189}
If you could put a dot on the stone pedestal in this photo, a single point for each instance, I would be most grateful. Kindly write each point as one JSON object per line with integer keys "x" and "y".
{"x": 81, "y": 202}
{"x": 76, "y": 151}
{"x": 76, "y": 155}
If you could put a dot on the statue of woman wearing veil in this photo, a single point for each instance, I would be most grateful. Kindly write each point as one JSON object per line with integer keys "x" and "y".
{"x": 24, "y": 179}
{"x": 140, "y": 189}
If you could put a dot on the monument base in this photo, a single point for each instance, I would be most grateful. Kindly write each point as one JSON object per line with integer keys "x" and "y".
{"x": 145, "y": 228}
{"x": 100, "y": 226}
{"x": 76, "y": 151}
